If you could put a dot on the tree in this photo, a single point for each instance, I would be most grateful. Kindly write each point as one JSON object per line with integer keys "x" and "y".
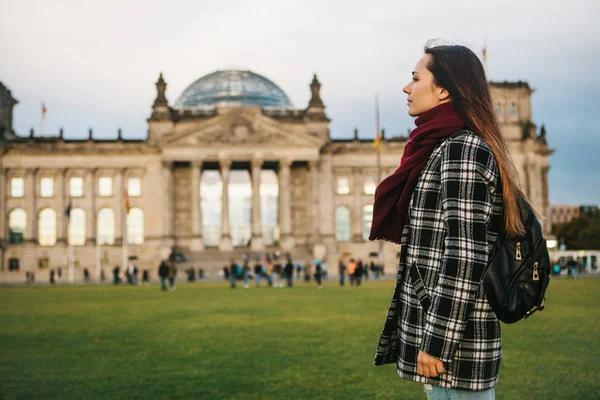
{"x": 581, "y": 233}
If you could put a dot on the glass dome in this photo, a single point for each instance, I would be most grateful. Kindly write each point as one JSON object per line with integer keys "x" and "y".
{"x": 233, "y": 88}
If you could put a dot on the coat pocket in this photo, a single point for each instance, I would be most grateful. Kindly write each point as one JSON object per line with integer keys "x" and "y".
{"x": 419, "y": 287}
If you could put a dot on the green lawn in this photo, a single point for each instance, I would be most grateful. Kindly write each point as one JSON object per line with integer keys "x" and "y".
{"x": 206, "y": 341}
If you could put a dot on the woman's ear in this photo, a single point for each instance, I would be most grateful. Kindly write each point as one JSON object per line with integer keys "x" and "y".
{"x": 443, "y": 94}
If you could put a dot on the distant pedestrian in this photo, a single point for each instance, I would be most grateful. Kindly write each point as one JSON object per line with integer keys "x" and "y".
{"x": 233, "y": 268}
{"x": 163, "y": 274}
{"x": 318, "y": 272}
{"x": 52, "y": 281}
{"x": 145, "y": 277}
{"x": 246, "y": 274}
{"x": 86, "y": 275}
{"x": 342, "y": 271}
{"x": 269, "y": 271}
{"x": 298, "y": 271}
{"x": 226, "y": 273}
{"x": 288, "y": 272}
{"x": 257, "y": 273}
{"x": 116, "y": 278}
{"x": 307, "y": 268}
{"x": 358, "y": 274}
{"x": 172, "y": 275}
{"x": 351, "y": 271}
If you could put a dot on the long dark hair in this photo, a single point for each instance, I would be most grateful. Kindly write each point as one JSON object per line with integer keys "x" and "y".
{"x": 458, "y": 70}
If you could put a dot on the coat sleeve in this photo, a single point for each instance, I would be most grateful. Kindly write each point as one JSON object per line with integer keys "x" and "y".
{"x": 468, "y": 176}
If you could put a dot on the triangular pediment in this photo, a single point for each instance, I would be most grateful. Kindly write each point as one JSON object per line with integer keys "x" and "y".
{"x": 243, "y": 129}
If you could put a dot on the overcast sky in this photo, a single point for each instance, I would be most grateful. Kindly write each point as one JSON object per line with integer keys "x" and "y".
{"x": 94, "y": 64}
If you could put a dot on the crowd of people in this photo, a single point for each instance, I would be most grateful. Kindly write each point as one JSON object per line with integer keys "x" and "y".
{"x": 279, "y": 272}
{"x": 357, "y": 271}
{"x": 274, "y": 270}
{"x": 270, "y": 269}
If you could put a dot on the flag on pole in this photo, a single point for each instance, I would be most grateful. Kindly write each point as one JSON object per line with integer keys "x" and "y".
{"x": 43, "y": 111}
{"x": 126, "y": 202}
{"x": 68, "y": 209}
{"x": 377, "y": 142}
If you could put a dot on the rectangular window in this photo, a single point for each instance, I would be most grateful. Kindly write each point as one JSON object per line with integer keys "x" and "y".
{"x": 343, "y": 185}
{"x": 370, "y": 185}
{"x": 47, "y": 187}
{"x": 512, "y": 110}
{"x": 134, "y": 187}
{"x": 105, "y": 186}
{"x": 76, "y": 187}
{"x": 17, "y": 186}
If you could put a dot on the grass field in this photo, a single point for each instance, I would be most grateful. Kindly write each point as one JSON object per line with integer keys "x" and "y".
{"x": 206, "y": 341}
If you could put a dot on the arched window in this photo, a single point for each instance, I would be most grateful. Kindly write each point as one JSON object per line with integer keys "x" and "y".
{"x": 135, "y": 226}
{"x": 367, "y": 220}
{"x": 499, "y": 110}
{"x": 77, "y": 227}
{"x": 47, "y": 227}
{"x": 342, "y": 224}
{"x": 106, "y": 226}
{"x": 211, "y": 189}
{"x": 17, "y": 223}
{"x": 269, "y": 206}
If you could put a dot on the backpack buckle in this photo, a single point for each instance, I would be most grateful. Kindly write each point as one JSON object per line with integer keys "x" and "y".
{"x": 536, "y": 275}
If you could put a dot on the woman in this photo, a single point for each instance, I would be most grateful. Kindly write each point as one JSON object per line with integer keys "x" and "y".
{"x": 454, "y": 190}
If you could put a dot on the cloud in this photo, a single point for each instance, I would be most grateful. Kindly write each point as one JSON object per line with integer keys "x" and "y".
{"x": 95, "y": 64}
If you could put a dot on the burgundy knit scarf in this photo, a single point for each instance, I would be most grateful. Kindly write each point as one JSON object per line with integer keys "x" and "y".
{"x": 393, "y": 194}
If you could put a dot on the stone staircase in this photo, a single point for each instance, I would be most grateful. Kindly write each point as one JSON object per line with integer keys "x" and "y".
{"x": 213, "y": 260}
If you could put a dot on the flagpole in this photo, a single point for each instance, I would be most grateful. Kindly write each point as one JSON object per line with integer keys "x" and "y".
{"x": 378, "y": 133}
{"x": 124, "y": 205}
{"x": 42, "y": 120}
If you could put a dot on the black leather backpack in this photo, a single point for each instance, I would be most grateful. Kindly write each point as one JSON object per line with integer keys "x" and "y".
{"x": 519, "y": 271}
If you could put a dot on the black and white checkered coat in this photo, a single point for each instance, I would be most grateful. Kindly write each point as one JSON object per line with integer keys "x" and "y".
{"x": 439, "y": 305}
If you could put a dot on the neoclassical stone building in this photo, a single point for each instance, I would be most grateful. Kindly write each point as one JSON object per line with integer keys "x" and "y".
{"x": 291, "y": 187}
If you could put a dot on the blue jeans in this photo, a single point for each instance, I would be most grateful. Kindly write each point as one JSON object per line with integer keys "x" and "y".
{"x": 163, "y": 283}
{"x": 439, "y": 393}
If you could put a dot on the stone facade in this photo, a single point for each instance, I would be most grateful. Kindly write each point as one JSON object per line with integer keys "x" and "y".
{"x": 182, "y": 143}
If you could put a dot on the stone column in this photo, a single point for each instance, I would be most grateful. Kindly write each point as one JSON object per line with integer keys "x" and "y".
{"x": 169, "y": 203}
{"x": 547, "y": 226}
{"x": 257, "y": 243}
{"x": 314, "y": 201}
{"x": 91, "y": 213}
{"x": 533, "y": 173}
{"x": 3, "y": 216}
{"x": 357, "y": 221}
{"x": 32, "y": 219}
{"x": 120, "y": 215}
{"x": 197, "y": 242}
{"x": 3, "y": 212}
{"x": 285, "y": 205}
{"x": 226, "y": 243}
{"x": 62, "y": 195}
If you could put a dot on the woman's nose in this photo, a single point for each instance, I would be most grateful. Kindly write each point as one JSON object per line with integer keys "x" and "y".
{"x": 406, "y": 88}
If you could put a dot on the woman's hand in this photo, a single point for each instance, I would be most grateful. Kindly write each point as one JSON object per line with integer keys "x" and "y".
{"x": 429, "y": 366}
